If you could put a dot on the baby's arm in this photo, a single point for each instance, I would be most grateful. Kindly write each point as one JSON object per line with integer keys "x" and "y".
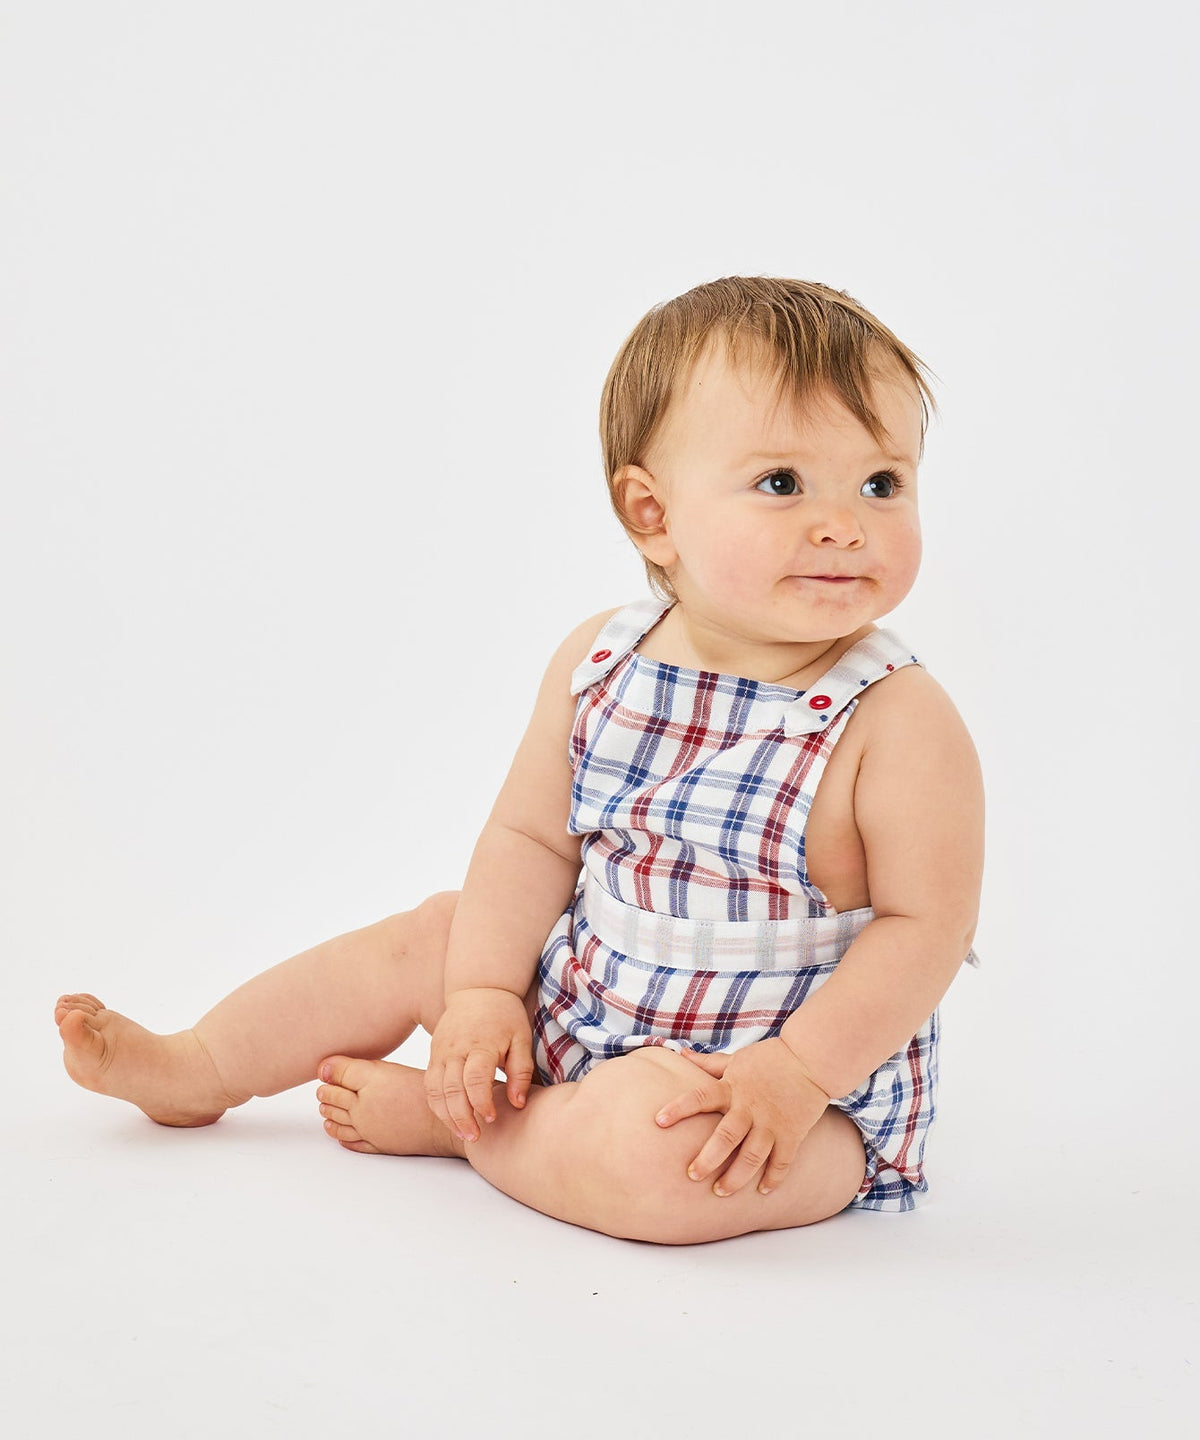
{"x": 918, "y": 805}
{"x": 522, "y": 875}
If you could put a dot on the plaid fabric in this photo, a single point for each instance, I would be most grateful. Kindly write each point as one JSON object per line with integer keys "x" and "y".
{"x": 695, "y": 921}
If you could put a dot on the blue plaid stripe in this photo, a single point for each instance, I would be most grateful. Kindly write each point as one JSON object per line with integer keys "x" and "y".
{"x": 595, "y": 1003}
{"x": 688, "y": 810}
{"x": 691, "y": 791}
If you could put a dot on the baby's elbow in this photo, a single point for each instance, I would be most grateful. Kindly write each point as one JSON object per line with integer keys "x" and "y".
{"x": 954, "y": 937}
{"x": 957, "y": 928}
{"x": 946, "y": 933}
{"x": 942, "y": 938}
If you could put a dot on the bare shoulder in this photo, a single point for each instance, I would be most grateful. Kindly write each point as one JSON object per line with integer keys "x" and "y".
{"x": 910, "y": 700}
{"x": 577, "y": 644}
{"x": 555, "y": 708}
{"x": 536, "y": 797}
{"x": 911, "y": 739}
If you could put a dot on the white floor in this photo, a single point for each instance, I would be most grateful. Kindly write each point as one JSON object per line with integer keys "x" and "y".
{"x": 255, "y": 1279}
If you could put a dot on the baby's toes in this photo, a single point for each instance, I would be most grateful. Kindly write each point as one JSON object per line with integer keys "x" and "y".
{"x": 336, "y": 1095}
{"x": 349, "y": 1138}
{"x": 66, "y": 1003}
{"x": 344, "y": 1070}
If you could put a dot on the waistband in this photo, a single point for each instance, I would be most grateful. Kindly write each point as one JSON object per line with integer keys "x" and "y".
{"x": 669, "y": 942}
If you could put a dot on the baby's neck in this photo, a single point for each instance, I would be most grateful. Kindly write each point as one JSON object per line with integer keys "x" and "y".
{"x": 692, "y": 642}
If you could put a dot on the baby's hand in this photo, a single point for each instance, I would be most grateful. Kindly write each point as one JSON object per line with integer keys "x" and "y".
{"x": 769, "y": 1106}
{"x": 481, "y": 1031}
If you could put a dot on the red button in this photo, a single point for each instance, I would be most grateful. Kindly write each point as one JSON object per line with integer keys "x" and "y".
{"x": 819, "y": 702}
{"x": 600, "y": 655}
{"x": 891, "y": 667}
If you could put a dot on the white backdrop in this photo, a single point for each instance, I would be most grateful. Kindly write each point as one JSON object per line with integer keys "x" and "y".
{"x": 304, "y": 313}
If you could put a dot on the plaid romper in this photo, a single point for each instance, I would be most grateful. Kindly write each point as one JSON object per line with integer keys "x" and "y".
{"x": 695, "y": 922}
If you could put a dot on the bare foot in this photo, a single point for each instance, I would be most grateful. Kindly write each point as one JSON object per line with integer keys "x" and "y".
{"x": 169, "y": 1077}
{"x": 379, "y": 1108}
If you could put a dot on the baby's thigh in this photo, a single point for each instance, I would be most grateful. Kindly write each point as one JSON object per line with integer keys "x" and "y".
{"x": 647, "y": 1165}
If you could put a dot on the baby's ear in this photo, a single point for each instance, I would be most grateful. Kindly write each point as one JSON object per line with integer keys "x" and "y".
{"x": 641, "y": 510}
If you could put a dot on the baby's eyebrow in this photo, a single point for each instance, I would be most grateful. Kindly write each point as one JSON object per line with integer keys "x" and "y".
{"x": 768, "y": 457}
{"x": 787, "y": 457}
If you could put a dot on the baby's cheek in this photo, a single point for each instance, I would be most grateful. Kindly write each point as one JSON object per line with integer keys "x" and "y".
{"x": 912, "y": 549}
{"x": 736, "y": 567}
{"x": 900, "y": 550}
{"x": 738, "y": 580}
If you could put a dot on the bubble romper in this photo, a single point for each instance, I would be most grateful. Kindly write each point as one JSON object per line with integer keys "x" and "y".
{"x": 695, "y": 922}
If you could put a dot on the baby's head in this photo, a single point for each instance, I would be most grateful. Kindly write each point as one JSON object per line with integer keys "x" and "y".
{"x": 812, "y": 342}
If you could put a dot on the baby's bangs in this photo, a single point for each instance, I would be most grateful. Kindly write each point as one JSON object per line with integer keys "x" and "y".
{"x": 808, "y": 344}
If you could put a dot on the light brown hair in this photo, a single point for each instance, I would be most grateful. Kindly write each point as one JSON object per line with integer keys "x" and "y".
{"x": 813, "y": 337}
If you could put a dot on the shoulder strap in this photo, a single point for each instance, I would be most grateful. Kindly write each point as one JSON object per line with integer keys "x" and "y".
{"x": 616, "y": 640}
{"x": 873, "y": 658}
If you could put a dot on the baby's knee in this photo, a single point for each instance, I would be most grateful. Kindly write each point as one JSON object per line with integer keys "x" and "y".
{"x": 634, "y": 1170}
{"x": 432, "y": 919}
{"x": 422, "y": 933}
{"x": 412, "y": 945}
{"x": 425, "y": 927}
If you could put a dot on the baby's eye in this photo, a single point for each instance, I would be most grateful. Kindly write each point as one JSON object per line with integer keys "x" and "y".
{"x": 778, "y": 482}
{"x": 881, "y": 486}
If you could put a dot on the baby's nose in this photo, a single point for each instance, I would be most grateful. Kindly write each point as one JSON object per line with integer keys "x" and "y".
{"x": 836, "y": 525}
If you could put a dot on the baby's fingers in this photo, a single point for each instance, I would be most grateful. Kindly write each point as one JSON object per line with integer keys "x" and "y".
{"x": 478, "y": 1074}
{"x": 777, "y": 1171}
{"x": 753, "y": 1153}
{"x": 702, "y": 1099}
{"x": 518, "y": 1070}
{"x": 720, "y": 1145}
{"x": 713, "y": 1064}
{"x": 435, "y": 1096}
{"x": 460, "y": 1115}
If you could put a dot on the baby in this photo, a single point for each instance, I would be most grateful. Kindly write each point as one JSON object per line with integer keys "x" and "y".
{"x": 749, "y": 823}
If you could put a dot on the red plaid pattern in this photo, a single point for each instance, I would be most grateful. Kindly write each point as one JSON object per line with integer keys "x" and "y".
{"x": 695, "y": 921}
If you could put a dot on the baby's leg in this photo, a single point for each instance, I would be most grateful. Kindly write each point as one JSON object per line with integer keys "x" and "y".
{"x": 364, "y": 992}
{"x": 591, "y": 1153}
